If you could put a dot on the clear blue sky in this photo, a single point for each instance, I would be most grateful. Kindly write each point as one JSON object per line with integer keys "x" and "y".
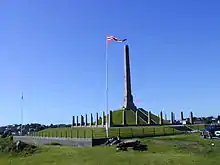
{"x": 54, "y": 51}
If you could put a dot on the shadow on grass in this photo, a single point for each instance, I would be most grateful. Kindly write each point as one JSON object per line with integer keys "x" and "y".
{"x": 54, "y": 144}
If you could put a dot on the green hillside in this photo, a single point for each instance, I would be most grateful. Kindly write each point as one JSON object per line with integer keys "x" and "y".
{"x": 93, "y": 132}
{"x": 131, "y": 117}
{"x": 117, "y": 117}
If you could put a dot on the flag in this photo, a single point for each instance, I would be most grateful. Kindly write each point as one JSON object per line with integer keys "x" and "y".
{"x": 113, "y": 38}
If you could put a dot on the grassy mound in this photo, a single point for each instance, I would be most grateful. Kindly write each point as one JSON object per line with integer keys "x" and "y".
{"x": 117, "y": 118}
{"x": 173, "y": 150}
{"x": 87, "y": 132}
{"x": 131, "y": 117}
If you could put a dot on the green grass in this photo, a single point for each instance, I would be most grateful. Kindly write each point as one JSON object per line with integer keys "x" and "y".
{"x": 173, "y": 150}
{"x": 197, "y": 126}
{"x": 87, "y": 132}
{"x": 83, "y": 132}
{"x": 117, "y": 118}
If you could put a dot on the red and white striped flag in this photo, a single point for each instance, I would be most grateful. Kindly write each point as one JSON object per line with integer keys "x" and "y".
{"x": 113, "y": 38}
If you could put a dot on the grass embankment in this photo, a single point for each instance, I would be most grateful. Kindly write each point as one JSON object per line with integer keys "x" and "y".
{"x": 197, "y": 126}
{"x": 154, "y": 117}
{"x": 131, "y": 117}
{"x": 117, "y": 118}
{"x": 83, "y": 132}
{"x": 173, "y": 150}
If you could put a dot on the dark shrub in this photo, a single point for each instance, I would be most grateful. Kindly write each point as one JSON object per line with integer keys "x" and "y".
{"x": 54, "y": 144}
{"x": 8, "y": 146}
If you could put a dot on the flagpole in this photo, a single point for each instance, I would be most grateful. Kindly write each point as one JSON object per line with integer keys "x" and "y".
{"x": 106, "y": 94}
{"x": 109, "y": 38}
{"x": 22, "y": 113}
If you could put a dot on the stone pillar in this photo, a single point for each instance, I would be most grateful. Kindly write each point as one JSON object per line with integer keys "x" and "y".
{"x": 91, "y": 119}
{"x": 110, "y": 119}
{"x": 124, "y": 122}
{"x": 149, "y": 117}
{"x": 171, "y": 118}
{"x": 161, "y": 118}
{"x": 137, "y": 117}
{"x": 181, "y": 116}
{"x": 128, "y": 98}
{"x": 73, "y": 121}
{"x": 77, "y": 120}
{"x": 86, "y": 120}
{"x": 103, "y": 119}
{"x": 165, "y": 117}
{"x": 191, "y": 118}
{"x": 82, "y": 120}
{"x": 97, "y": 119}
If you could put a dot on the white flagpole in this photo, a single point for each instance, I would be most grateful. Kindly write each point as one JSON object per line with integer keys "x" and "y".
{"x": 22, "y": 113}
{"x": 106, "y": 94}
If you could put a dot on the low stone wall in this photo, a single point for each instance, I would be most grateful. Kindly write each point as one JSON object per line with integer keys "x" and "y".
{"x": 76, "y": 142}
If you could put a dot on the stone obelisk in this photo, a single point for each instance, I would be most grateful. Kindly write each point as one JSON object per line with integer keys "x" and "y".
{"x": 128, "y": 98}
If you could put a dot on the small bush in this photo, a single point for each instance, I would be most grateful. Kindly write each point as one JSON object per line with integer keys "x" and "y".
{"x": 8, "y": 146}
{"x": 6, "y": 134}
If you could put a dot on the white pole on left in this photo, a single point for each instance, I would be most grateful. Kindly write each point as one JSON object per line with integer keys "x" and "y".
{"x": 22, "y": 97}
{"x": 106, "y": 92}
